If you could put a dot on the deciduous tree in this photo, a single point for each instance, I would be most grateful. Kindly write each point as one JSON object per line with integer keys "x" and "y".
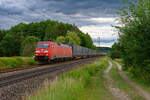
{"x": 72, "y": 38}
{"x": 28, "y": 46}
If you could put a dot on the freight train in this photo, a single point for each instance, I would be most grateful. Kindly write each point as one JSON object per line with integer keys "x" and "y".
{"x": 52, "y": 51}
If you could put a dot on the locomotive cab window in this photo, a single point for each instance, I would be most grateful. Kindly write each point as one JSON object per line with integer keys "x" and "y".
{"x": 43, "y": 45}
{"x": 52, "y": 46}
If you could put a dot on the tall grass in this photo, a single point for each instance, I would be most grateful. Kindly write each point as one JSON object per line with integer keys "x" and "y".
{"x": 13, "y": 62}
{"x": 71, "y": 85}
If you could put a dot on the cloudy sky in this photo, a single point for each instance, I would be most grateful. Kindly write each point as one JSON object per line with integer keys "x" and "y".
{"x": 91, "y": 16}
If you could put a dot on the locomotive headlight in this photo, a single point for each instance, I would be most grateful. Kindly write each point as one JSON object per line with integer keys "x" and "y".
{"x": 46, "y": 51}
{"x": 37, "y": 51}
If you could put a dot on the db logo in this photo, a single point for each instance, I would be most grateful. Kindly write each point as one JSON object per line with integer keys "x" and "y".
{"x": 42, "y": 50}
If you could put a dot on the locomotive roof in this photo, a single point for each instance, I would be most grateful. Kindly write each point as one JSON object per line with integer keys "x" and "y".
{"x": 59, "y": 44}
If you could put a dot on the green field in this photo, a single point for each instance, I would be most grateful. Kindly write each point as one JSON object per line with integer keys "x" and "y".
{"x": 13, "y": 62}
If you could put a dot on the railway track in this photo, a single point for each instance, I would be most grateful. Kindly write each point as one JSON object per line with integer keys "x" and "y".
{"x": 29, "y": 67}
{"x": 24, "y": 68}
{"x": 20, "y": 76}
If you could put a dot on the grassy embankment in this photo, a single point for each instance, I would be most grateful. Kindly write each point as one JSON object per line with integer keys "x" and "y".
{"x": 122, "y": 85}
{"x": 85, "y": 83}
{"x": 13, "y": 62}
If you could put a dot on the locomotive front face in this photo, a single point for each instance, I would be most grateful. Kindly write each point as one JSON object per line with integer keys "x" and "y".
{"x": 42, "y": 51}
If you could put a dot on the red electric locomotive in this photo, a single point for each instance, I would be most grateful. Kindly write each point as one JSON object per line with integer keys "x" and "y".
{"x": 50, "y": 51}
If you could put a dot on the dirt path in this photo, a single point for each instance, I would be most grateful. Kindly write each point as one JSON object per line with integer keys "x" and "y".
{"x": 116, "y": 92}
{"x": 143, "y": 93}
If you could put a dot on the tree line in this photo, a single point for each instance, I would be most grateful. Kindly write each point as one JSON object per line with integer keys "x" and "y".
{"x": 20, "y": 40}
{"x": 133, "y": 45}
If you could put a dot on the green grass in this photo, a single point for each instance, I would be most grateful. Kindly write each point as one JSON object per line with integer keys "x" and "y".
{"x": 122, "y": 85}
{"x": 85, "y": 83}
{"x": 119, "y": 60}
{"x": 95, "y": 89}
{"x": 13, "y": 62}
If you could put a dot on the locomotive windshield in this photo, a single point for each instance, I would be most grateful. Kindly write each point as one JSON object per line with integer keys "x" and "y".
{"x": 43, "y": 45}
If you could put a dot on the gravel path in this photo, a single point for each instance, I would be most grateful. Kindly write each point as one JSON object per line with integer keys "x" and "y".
{"x": 116, "y": 92}
{"x": 143, "y": 93}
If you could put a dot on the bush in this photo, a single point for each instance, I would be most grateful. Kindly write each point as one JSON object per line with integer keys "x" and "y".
{"x": 19, "y": 61}
{"x": 30, "y": 61}
{"x": 13, "y": 62}
{"x": 115, "y": 51}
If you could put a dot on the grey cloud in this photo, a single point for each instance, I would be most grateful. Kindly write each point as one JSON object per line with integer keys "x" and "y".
{"x": 91, "y": 7}
{"x": 63, "y": 10}
{"x": 9, "y": 11}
